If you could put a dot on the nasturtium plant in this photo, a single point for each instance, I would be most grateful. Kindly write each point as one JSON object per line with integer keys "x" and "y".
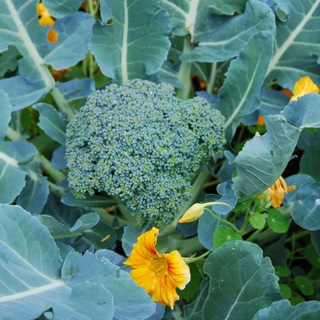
{"x": 159, "y": 159}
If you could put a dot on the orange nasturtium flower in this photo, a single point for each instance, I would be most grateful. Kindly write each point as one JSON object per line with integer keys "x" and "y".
{"x": 277, "y": 191}
{"x": 260, "y": 121}
{"x": 158, "y": 273}
{"x": 45, "y": 19}
{"x": 304, "y": 86}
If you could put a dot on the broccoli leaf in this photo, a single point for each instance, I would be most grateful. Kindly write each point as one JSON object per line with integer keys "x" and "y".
{"x": 220, "y": 38}
{"x": 242, "y": 281}
{"x": 263, "y": 159}
{"x": 61, "y": 8}
{"x": 35, "y": 280}
{"x": 52, "y": 122}
{"x": 239, "y": 98}
{"x": 21, "y": 29}
{"x": 185, "y": 15}
{"x": 284, "y": 310}
{"x": 59, "y": 230}
{"x": 297, "y": 44}
{"x": 12, "y": 172}
{"x": 33, "y": 196}
{"x": 121, "y": 45}
{"x": 5, "y": 114}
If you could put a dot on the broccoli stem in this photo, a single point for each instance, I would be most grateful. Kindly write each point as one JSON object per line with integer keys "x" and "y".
{"x": 212, "y": 79}
{"x": 109, "y": 218}
{"x": 184, "y": 74}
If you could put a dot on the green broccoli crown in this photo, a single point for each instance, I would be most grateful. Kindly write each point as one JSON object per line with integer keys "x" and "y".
{"x": 143, "y": 145}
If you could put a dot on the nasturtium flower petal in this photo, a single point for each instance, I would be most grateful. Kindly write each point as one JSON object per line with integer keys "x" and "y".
{"x": 304, "y": 86}
{"x": 158, "y": 273}
{"x": 46, "y": 21}
{"x": 52, "y": 36}
{"x": 277, "y": 192}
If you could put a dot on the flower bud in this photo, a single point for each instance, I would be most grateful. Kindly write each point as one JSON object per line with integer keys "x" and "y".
{"x": 193, "y": 213}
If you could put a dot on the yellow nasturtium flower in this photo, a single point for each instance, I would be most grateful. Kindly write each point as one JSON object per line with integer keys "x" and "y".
{"x": 304, "y": 86}
{"x": 277, "y": 191}
{"x": 158, "y": 273}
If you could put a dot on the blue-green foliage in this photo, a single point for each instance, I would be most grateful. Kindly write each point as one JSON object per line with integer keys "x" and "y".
{"x": 142, "y": 145}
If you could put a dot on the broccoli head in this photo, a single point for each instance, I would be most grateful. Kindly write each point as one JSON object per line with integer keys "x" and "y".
{"x": 142, "y": 145}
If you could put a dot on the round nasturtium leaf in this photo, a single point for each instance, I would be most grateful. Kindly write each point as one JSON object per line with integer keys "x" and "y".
{"x": 285, "y": 291}
{"x": 305, "y": 285}
{"x": 282, "y": 271}
{"x": 224, "y": 234}
{"x": 258, "y": 221}
{"x": 312, "y": 256}
{"x": 296, "y": 299}
{"x": 277, "y": 222}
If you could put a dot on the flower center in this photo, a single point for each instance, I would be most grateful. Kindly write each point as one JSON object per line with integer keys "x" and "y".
{"x": 159, "y": 265}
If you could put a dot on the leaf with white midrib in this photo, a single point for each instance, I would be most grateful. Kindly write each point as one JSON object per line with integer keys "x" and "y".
{"x": 242, "y": 281}
{"x": 297, "y": 41}
{"x": 35, "y": 279}
{"x": 135, "y": 41}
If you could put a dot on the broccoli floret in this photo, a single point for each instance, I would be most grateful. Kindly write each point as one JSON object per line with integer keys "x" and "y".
{"x": 141, "y": 144}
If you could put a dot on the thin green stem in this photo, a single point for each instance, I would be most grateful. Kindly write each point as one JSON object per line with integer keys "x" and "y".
{"x": 56, "y": 190}
{"x": 189, "y": 260}
{"x": 54, "y": 174}
{"x": 245, "y": 222}
{"x": 293, "y": 246}
{"x": 62, "y": 103}
{"x": 231, "y": 225}
{"x": 212, "y": 79}
{"x": 13, "y": 135}
{"x": 253, "y": 235}
{"x": 299, "y": 235}
{"x": 212, "y": 183}
{"x": 109, "y": 218}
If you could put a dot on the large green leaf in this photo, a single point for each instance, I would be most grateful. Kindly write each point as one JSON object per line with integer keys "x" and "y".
{"x": 281, "y": 310}
{"x": 134, "y": 43}
{"x": 185, "y": 15}
{"x": 220, "y": 38}
{"x": 5, "y": 111}
{"x": 228, "y": 7}
{"x": 304, "y": 113}
{"x": 238, "y": 98}
{"x": 297, "y": 45}
{"x": 242, "y": 281}
{"x": 52, "y": 122}
{"x": 34, "y": 279}
{"x": 19, "y": 27}
{"x": 33, "y": 196}
{"x": 63, "y": 222}
{"x": 59, "y": 230}
{"x": 263, "y": 158}
{"x": 310, "y": 160}
{"x": 194, "y": 310}
{"x": 12, "y": 172}
{"x": 8, "y": 60}
{"x": 95, "y": 201}
{"x": 61, "y": 8}
{"x": 306, "y": 209}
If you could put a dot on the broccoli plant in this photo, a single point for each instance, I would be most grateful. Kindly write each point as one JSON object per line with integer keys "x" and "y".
{"x": 142, "y": 145}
